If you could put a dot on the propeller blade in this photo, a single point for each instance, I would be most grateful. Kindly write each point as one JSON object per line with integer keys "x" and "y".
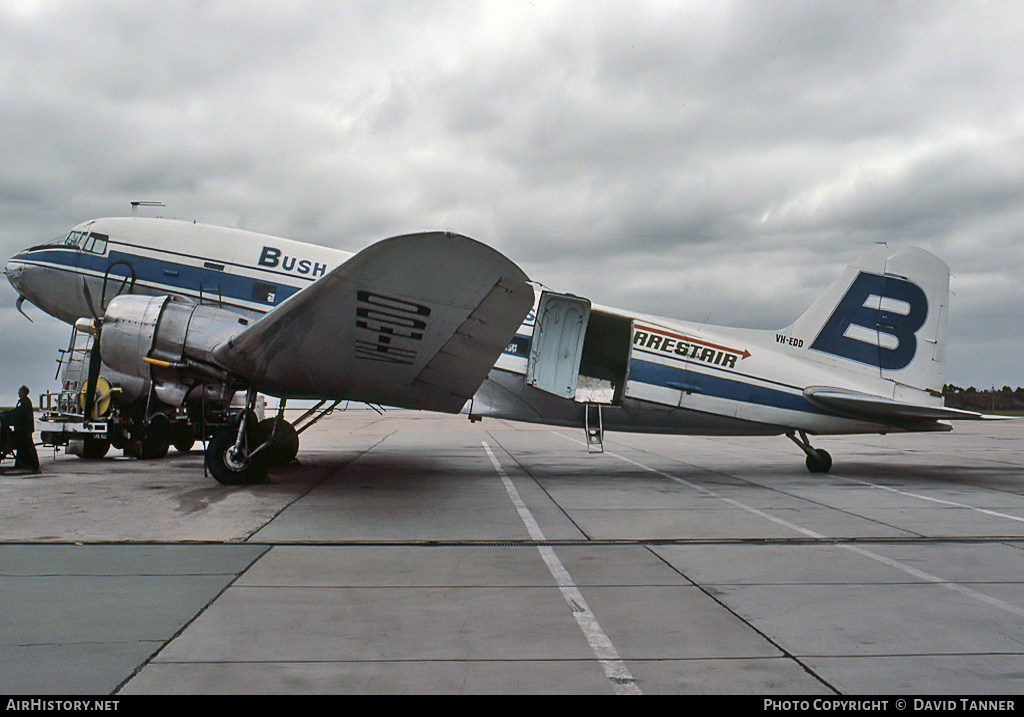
{"x": 95, "y": 361}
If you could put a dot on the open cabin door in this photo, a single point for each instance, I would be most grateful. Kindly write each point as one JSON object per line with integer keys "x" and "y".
{"x": 578, "y": 352}
{"x": 582, "y": 355}
{"x": 557, "y": 346}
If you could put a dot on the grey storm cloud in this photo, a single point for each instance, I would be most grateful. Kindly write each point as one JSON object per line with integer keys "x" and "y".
{"x": 715, "y": 160}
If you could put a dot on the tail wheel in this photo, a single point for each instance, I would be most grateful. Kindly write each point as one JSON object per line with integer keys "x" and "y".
{"x": 821, "y": 464}
{"x": 818, "y": 460}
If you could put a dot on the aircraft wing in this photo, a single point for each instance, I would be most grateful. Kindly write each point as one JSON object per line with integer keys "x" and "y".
{"x": 879, "y": 408}
{"x": 415, "y": 321}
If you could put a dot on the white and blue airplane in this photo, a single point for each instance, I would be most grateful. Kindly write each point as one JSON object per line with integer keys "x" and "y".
{"x": 188, "y": 314}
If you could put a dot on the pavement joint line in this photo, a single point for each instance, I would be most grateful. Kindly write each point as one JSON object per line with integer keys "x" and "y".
{"x": 554, "y": 542}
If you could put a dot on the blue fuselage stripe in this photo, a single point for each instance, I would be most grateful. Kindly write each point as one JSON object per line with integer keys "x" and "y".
{"x": 169, "y": 275}
{"x": 656, "y": 374}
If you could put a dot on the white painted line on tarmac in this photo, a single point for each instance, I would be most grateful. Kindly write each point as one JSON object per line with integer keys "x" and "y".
{"x": 954, "y": 504}
{"x": 903, "y": 567}
{"x": 615, "y": 669}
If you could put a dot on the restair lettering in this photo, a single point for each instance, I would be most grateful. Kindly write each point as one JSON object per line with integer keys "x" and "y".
{"x": 687, "y": 349}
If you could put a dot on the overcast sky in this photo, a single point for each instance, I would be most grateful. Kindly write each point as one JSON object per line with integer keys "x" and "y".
{"x": 717, "y": 161}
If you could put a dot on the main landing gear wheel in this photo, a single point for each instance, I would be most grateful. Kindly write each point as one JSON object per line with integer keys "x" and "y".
{"x": 231, "y": 464}
{"x": 235, "y": 456}
{"x": 284, "y": 441}
{"x": 818, "y": 459}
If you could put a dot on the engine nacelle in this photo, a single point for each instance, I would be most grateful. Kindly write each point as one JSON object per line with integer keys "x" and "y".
{"x": 166, "y": 340}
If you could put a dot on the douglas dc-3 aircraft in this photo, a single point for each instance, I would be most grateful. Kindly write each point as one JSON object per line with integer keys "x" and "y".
{"x": 188, "y": 314}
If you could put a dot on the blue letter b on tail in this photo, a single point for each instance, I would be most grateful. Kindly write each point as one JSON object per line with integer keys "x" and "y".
{"x": 875, "y": 322}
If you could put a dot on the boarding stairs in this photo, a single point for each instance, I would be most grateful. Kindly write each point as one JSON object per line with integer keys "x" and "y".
{"x": 593, "y": 424}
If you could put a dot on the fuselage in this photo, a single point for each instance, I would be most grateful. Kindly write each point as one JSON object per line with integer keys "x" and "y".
{"x": 640, "y": 372}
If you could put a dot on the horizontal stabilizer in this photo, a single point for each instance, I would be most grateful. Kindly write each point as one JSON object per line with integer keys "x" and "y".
{"x": 880, "y": 408}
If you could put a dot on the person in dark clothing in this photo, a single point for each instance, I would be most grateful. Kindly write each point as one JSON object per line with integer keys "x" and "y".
{"x": 21, "y": 424}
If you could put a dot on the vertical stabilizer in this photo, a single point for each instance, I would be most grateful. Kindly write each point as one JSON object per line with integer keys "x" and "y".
{"x": 884, "y": 318}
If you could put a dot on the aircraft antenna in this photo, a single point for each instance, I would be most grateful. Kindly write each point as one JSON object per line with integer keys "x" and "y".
{"x": 136, "y": 205}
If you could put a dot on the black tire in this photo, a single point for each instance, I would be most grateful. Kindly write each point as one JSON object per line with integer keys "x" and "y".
{"x": 821, "y": 464}
{"x": 228, "y": 468}
{"x": 95, "y": 448}
{"x": 157, "y": 439}
{"x": 184, "y": 438}
{"x": 285, "y": 446}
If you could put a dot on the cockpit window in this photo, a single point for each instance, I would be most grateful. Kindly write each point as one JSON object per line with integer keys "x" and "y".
{"x": 87, "y": 241}
{"x": 95, "y": 243}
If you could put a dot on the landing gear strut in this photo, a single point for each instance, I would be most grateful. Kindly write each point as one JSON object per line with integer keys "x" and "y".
{"x": 242, "y": 454}
{"x": 279, "y": 439}
{"x": 818, "y": 459}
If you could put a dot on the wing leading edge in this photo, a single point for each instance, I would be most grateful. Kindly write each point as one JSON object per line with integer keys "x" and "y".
{"x": 415, "y": 321}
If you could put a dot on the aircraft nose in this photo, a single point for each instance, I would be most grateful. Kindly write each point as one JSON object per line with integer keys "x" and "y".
{"x": 13, "y": 270}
